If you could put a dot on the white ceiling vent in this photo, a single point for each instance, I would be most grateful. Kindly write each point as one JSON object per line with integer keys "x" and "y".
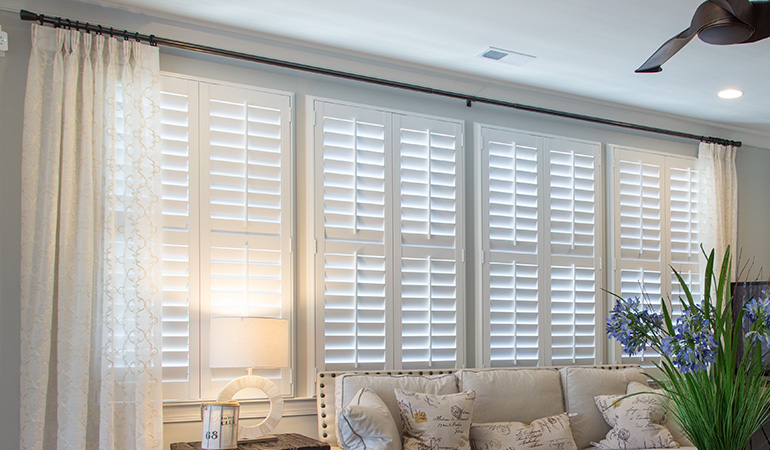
{"x": 506, "y": 56}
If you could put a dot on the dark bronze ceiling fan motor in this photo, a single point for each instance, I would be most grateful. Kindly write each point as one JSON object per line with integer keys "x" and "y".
{"x": 718, "y": 22}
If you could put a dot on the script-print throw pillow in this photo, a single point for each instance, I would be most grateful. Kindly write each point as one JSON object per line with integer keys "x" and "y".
{"x": 636, "y": 421}
{"x": 436, "y": 421}
{"x": 547, "y": 433}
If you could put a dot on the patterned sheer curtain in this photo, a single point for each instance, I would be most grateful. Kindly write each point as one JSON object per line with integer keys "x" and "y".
{"x": 717, "y": 201}
{"x": 90, "y": 309}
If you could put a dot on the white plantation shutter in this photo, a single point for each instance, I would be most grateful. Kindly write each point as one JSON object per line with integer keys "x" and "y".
{"x": 227, "y": 223}
{"x": 429, "y": 168}
{"x": 539, "y": 222}
{"x": 179, "y": 133}
{"x": 573, "y": 183}
{"x": 510, "y": 226}
{"x": 354, "y": 218}
{"x": 388, "y": 205}
{"x": 683, "y": 229}
{"x": 655, "y": 226}
{"x": 245, "y": 223}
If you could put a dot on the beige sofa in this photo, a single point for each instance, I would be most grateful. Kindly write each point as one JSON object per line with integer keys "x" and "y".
{"x": 502, "y": 395}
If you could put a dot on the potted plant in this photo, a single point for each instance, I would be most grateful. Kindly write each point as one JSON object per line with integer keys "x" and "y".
{"x": 718, "y": 393}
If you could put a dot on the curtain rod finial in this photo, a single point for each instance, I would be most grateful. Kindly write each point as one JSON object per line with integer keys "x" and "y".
{"x": 28, "y": 15}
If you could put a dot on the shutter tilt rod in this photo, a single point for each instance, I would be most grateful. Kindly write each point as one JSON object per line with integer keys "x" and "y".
{"x": 153, "y": 40}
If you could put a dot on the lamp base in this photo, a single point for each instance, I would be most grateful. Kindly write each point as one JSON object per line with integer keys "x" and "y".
{"x": 273, "y": 394}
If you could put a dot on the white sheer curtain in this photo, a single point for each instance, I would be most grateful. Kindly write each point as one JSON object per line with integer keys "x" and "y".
{"x": 90, "y": 309}
{"x": 718, "y": 201}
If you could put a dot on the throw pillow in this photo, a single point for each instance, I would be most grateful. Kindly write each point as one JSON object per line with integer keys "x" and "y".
{"x": 670, "y": 423}
{"x": 547, "y": 433}
{"x": 365, "y": 423}
{"x": 436, "y": 421}
{"x": 636, "y": 422}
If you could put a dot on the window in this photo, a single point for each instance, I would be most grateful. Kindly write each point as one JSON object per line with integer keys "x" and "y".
{"x": 227, "y": 225}
{"x": 541, "y": 242}
{"x": 655, "y": 227}
{"x": 389, "y": 236}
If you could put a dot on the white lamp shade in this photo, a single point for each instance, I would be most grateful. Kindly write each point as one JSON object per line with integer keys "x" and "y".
{"x": 249, "y": 342}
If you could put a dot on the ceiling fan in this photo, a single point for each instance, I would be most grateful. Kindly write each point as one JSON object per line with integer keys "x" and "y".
{"x": 719, "y": 22}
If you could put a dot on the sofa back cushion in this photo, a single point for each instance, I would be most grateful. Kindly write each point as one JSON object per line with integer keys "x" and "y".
{"x": 385, "y": 385}
{"x": 513, "y": 395}
{"x": 581, "y": 385}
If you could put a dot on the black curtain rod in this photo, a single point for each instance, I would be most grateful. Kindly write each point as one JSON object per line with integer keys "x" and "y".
{"x": 59, "y": 22}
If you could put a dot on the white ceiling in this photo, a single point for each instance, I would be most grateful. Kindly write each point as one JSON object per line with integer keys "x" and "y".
{"x": 588, "y": 48}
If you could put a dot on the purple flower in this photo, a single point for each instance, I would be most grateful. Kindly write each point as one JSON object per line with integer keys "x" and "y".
{"x": 758, "y": 314}
{"x": 692, "y": 347}
{"x": 631, "y": 326}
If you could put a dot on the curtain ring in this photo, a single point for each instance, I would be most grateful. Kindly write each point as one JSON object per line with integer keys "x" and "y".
{"x": 41, "y": 17}
{"x": 125, "y": 35}
{"x": 77, "y": 25}
{"x": 152, "y": 41}
{"x": 112, "y": 32}
{"x": 136, "y": 36}
{"x": 100, "y": 30}
{"x": 69, "y": 24}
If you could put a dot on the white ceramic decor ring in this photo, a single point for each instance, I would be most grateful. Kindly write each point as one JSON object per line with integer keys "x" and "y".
{"x": 273, "y": 394}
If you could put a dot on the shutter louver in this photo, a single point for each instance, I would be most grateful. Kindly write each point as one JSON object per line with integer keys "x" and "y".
{"x": 428, "y": 167}
{"x": 245, "y": 165}
{"x": 178, "y": 123}
{"x": 511, "y": 221}
{"x": 573, "y": 252}
{"x": 354, "y": 243}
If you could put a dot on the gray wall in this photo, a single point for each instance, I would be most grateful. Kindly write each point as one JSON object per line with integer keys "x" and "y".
{"x": 753, "y": 162}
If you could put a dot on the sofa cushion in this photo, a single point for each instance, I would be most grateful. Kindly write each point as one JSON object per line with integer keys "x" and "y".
{"x": 508, "y": 395}
{"x": 546, "y": 433}
{"x": 636, "y": 422}
{"x": 671, "y": 423}
{"x": 581, "y": 385}
{"x": 366, "y": 424}
{"x": 436, "y": 421}
{"x": 384, "y": 385}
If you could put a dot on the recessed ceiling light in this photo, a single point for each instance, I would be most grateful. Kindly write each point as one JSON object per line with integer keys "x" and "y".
{"x": 730, "y": 93}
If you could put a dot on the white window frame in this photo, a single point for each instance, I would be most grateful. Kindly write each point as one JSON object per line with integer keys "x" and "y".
{"x": 666, "y": 162}
{"x": 544, "y": 258}
{"x": 199, "y": 386}
{"x": 393, "y": 248}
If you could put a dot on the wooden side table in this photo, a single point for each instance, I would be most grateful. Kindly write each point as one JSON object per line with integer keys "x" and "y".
{"x": 286, "y": 441}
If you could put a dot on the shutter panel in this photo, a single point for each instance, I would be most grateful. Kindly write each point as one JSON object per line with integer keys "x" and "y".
{"x": 510, "y": 227}
{"x": 683, "y": 229}
{"x": 179, "y": 258}
{"x": 655, "y": 215}
{"x": 246, "y": 230}
{"x": 354, "y": 236}
{"x": 639, "y": 206}
{"x": 428, "y": 168}
{"x": 574, "y": 251}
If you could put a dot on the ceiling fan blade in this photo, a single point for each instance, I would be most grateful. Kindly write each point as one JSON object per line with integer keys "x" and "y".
{"x": 708, "y": 13}
{"x": 666, "y": 51}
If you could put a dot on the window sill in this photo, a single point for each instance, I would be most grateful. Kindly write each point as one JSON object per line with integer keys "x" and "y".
{"x": 181, "y": 412}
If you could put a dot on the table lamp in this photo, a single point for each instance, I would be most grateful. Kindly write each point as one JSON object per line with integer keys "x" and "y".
{"x": 252, "y": 342}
